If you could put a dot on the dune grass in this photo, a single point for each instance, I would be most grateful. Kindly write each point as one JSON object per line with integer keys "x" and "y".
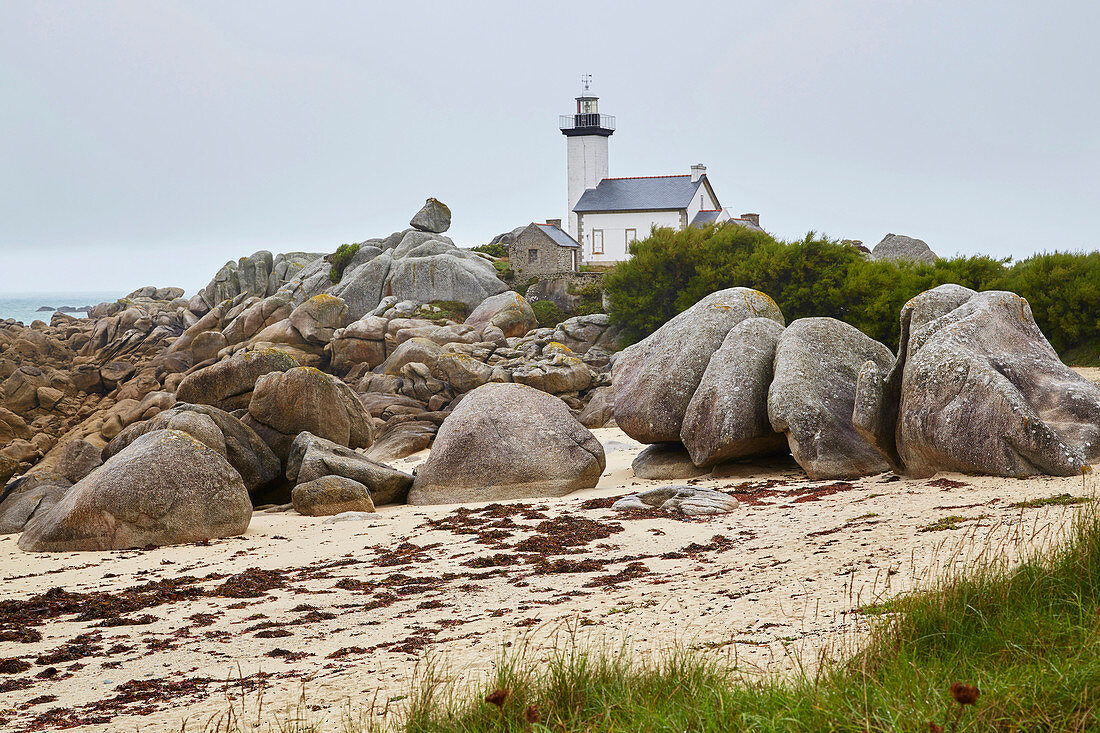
{"x": 1027, "y": 637}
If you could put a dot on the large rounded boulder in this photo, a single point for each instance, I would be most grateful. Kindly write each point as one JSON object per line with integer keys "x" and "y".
{"x": 305, "y": 399}
{"x": 510, "y": 312}
{"x": 655, "y": 379}
{"x": 727, "y": 417}
{"x": 813, "y": 394}
{"x": 228, "y": 384}
{"x": 166, "y": 488}
{"x": 977, "y": 388}
{"x": 217, "y": 429}
{"x": 508, "y": 441}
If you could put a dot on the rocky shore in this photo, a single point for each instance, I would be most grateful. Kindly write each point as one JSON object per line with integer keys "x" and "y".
{"x": 386, "y": 433}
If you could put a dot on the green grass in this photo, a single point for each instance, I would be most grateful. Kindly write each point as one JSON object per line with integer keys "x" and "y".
{"x": 443, "y": 310}
{"x": 952, "y": 521}
{"x": 1028, "y": 638}
{"x": 1056, "y": 500}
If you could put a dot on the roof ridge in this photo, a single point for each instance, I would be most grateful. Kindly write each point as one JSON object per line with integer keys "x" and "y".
{"x": 629, "y": 178}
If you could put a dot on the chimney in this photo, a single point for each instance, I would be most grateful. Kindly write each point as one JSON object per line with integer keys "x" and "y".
{"x": 554, "y": 223}
{"x": 754, "y": 218}
{"x": 698, "y": 171}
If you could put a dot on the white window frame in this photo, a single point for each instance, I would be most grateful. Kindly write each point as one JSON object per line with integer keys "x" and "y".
{"x": 597, "y": 241}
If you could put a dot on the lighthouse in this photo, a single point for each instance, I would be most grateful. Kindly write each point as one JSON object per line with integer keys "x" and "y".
{"x": 586, "y": 132}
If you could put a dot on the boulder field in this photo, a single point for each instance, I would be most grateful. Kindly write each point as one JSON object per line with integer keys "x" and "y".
{"x": 975, "y": 387}
{"x": 293, "y": 380}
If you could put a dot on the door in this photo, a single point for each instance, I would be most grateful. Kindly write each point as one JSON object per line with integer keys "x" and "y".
{"x": 597, "y": 241}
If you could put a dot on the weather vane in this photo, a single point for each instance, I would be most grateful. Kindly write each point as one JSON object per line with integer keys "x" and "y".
{"x": 586, "y": 80}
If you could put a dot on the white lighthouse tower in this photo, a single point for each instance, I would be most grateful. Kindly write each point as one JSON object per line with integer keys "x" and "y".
{"x": 586, "y": 132}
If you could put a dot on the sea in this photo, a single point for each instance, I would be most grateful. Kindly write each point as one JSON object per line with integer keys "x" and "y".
{"x": 24, "y": 306}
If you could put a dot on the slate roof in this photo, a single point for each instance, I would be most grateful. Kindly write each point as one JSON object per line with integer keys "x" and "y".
{"x": 560, "y": 237}
{"x": 648, "y": 193}
{"x": 705, "y": 216}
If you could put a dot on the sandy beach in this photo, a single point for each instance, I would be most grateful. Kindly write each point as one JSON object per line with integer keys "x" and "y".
{"x": 146, "y": 640}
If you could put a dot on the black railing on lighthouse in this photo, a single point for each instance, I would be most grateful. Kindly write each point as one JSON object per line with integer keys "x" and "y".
{"x": 586, "y": 120}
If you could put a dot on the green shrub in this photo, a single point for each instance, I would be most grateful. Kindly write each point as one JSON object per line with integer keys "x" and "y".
{"x": 340, "y": 260}
{"x": 547, "y": 313}
{"x": 440, "y": 310}
{"x": 591, "y": 299}
{"x": 493, "y": 250}
{"x": 522, "y": 288}
{"x": 815, "y": 276}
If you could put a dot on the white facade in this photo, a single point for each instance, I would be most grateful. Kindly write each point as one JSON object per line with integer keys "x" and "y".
{"x": 702, "y": 201}
{"x": 615, "y": 230}
{"x": 587, "y": 165}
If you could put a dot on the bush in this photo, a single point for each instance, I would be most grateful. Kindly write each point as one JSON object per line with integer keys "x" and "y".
{"x": 816, "y": 276}
{"x": 340, "y": 260}
{"x": 441, "y": 310}
{"x": 591, "y": 300}
{"x": 493, "y": 250}
{"x": 547, "y": 313}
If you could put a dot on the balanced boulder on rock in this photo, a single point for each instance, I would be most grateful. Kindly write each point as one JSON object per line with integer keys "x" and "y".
{"x": 166, "y": 488}
{"x": 508, "y": 441}
{"x": 812, "y": 396}
{"x": 434, "y": 217}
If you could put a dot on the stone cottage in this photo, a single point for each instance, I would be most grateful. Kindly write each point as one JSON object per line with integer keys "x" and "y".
{"x": 544, "y": 249}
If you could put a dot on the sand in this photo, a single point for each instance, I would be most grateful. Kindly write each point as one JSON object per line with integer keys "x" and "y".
{"x": 349, "y": 610}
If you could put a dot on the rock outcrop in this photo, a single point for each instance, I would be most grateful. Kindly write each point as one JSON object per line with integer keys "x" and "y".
{"x": 977, "y": 388}
{"x": 217, "y": 429}
{"x": 228, "y": 384}
{"x": 508, "y": 441}
{"x": 689, "y": 500}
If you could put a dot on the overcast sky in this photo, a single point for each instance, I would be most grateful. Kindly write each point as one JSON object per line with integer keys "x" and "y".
{"x": 149, "y": 142}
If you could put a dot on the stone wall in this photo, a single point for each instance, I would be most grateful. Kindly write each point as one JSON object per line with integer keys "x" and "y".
{"x": 557, "y": 286}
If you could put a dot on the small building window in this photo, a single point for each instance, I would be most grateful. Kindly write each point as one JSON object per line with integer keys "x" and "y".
{"x": 532, "y": 256}
{"x": 597, "y": 241}
{"x": 631, "y": 236}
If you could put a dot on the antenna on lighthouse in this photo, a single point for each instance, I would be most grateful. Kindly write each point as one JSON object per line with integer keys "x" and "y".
{"x": 586, "y": 81}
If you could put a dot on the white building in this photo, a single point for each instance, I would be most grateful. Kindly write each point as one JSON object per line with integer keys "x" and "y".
{"x": 607, "y": 214}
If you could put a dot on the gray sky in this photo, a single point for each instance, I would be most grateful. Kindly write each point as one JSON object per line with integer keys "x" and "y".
{"x": 149, "y": 142}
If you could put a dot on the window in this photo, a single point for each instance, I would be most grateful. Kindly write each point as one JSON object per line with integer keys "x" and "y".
{"x": 532, "y": 256}
{"x": 631, "y": 236}
{"x": 597, "y": 241}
